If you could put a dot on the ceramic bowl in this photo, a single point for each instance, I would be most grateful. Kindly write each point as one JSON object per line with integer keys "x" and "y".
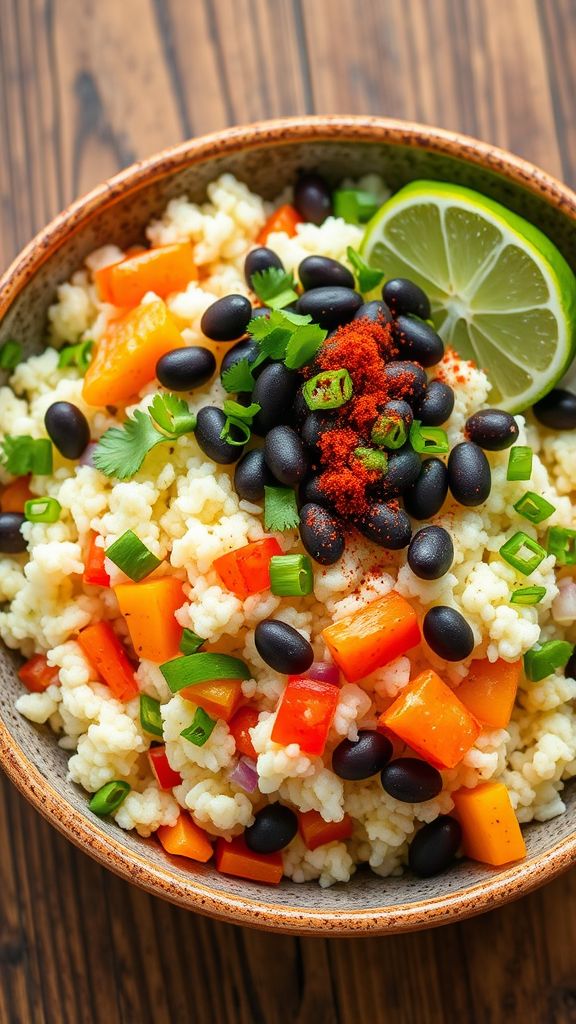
{"x": 267, "y": 157}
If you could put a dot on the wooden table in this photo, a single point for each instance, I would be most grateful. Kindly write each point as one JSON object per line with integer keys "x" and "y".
{"x": 87, "y": 87}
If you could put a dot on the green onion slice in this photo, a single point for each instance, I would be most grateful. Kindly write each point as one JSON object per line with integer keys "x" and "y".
{"x": 328, "y": 390}
{"x": 42, "y": 510}
{"x": 389, "y": 431}
{"x": 202, "y": 668}
{"x": 11, "y": 354}
{"x": 519, "y": 463}
{"x": 241, "y": 426}
{"x": 109, "y": 797}
{"x": 79, "y": 355}
{"x": 291, "y": 575}
{"x": 201, "y": 729}
{"x": 533, "y": 507}
{"x": 528, "y": 595}
{"x": 132, "y": 556}
{"x": 354, "y": 205}
{"x": 523, "y": 553}
{"x": 543, "y": 659}
{"x": 428, "y": 440}
{"x": 561, "y": 542}
{"x": 150, "y": 716}
{"x": 191, "y": 642}
{"x": 372, "y": 459}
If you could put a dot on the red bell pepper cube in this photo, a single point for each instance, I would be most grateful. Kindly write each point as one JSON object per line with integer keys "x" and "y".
{"x": 246, "y": 571}
{"x": 108, "y": 656}
{"x": 166, "y": 777}
{"x": 305, "y": 714}
{"x": 317, "y": 832}
{"x": 94, "y": 572}
{"x": 37, "y": 675}
{"x": 240, "y": 724}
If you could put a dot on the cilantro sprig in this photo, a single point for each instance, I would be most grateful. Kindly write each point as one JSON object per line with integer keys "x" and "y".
{"x": 23, "y": 454}
{"x": 284, "y": 336}
{"x": 367, "y": 277}
{"x": 280, "y": 509}
{"x": 121, "y": 451}
{"x": 274, "y": 286}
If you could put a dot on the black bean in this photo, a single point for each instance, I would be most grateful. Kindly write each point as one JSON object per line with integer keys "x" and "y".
{"x": 557, "y": 410}
{"x": 183, "y": 369}
{"x": 282, "y": 647}
{"x": 252, "y": 475}
{"x": 227, "y": 318}
{"x": 67, "y": 428}
{"x": 405, "y": 380}
{"x": 324, "y": 272}
{"x": 469, "y": 476}
{"x": 362, "y": 758}
{"x": 321, "y": 534}
{"x": 492, "y": 429}
{"x": 386, "y": 525}
{"x": 312, "y": 198}
{"x": 315, "y": 425}
{"x": 274, "y": 392}
{"x": 417, "y": 340}
{"x": 435, "y": 846}
{"x": 209, "y": 425}
{"x": 375, "y": 311}
{"x": 425, "y": 497}
{"x": 436, "y": 405}
{"x": 310, "y": 490}
{"x": 299, "y": 410}
{"x": 330, "y": 307}
{"x": 274, "y": 827}
{"x": 258, "y": 260}
{"x": 11, "y": 540}
{"x": 285, "y": 455}
{"x": 261, "y": 311}
{"x": 245, "y": 349}
{"x": 431, "y": 552}
{"x": 447, "y": 633}
{"x": 411, "y": 780}
{"x": 403, "y": 469}
{"x": 405, "y": 297}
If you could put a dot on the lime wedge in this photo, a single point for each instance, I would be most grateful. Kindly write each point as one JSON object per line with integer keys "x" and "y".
{"x": 501, "y": 292}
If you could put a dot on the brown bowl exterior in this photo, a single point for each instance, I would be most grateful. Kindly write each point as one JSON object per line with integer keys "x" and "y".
{"x": 267, "y": 156}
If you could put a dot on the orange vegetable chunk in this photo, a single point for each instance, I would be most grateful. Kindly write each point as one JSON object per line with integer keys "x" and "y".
{"x": 234, "y": 858}
{"x": 149, "y": 609}
{"x": 37, "y": 675}
{"x": 163, "y": 271}
{"x": 490, "y": 829}
{"x": 218, "y": 698}
{"x": 246, "y": 571}
{"x": 489, "y": 691}
{"x": 428, "y": 716}
{"x": 15, "y": 495}
{"x": 285, "y": 219}
{"x": 373, "y": 636}
{"x": 125, "y": 357}
{"x": 185, "y": 839}
{"x": 317, "y": 832}
{"x": 107, "y": 655}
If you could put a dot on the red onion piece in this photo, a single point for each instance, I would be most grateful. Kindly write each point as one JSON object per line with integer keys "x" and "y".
{"x": 245, "y": 775}
{"x": 86, "y": 457}
{"x": 324, "y": 672}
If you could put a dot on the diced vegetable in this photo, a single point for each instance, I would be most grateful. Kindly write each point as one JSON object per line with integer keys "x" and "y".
{"x": 523, "y": 553}
{"x": 163, "y": 271}
{"x": 534, "y": 507}
{"x": 166, "y": 777}
{"x": 219, "y": 698}
{"x": 108, "y": 656}
{"x": 125, "y": 357}
{"x": 14, "y": 496}
{"x": 203, "y": 667}
{"x": 560, "y": 542}
{"x": 108, "y": 798}
{"x": 240, "y": 724}
{"x": 305, "y": 714}
{"x": 94, "y": 572}
{"x": 291, "y": 575}
{"x": 42, "y": 510}
{"x": 317, "y": 832}
{"x": 246, "y": 571}
{"x": 519, "y": 463}
{"x": 191, "y": 642}
{"x": 234, "y": 858}
{"x": 37, "y": 675}
{"x": 285, "y": 219}
{"x": 428, "y": 440}
{"x": 149, "y": 609}
{"x": 373, "y": 636}
{"x": 527, "y": 595}
{"x": 201, "y": 728}
{"x": 431, "y": 719}
{"x": 185, "y": 839}
{"x": 490, "y": 829}
{"x": 489, "y": 691}
{"x": 245, "y": 775}
{"x": 543, "y": 659}
{"x": 150, "y": 715}
{"x": 132, "y": 556}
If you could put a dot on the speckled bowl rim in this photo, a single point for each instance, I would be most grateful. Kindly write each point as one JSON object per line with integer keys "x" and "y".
{"x": 191, "y": 893}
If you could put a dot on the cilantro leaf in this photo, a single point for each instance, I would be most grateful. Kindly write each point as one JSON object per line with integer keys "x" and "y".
{"x": 25, "y": 454}
{"x": 367, "y": 277}
{"x": 246, "y": 413}
{"x": 303, "y": 345}
{"x": 11, "y": 354}
{"x": 121, "y": 450}
{"x": 238, "y": 377}
{"x": 79, "y": 355}
{"x": 274, "y": 286}
{"x": 280, "y": 509}
{"x": 172, "y": 414}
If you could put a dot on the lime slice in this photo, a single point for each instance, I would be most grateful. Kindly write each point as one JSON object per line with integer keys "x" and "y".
{"x": 501, "y": 292}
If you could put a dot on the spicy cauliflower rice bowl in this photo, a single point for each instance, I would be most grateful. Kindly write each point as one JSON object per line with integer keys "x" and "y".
{"x": 293, "y": 585}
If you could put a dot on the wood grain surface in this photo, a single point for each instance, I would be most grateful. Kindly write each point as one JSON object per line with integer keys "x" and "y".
{"x": 87, "y": 86}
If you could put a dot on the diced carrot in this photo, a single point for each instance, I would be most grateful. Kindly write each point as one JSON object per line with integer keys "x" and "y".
{"x": 317, "y": 832}
{"x": 373, "y": 636}
{"x": 246, "y": 571}
{"x": 234, "y": 858}
{"x": 163, "y": 271}
{"x": 285, "y": 219}
{"x": 37, "y": 675}
{"x": 14, "y": 495}
{"x": 107, "y": 655}
{"x": 149, "y": 609}
{"x": 428, "y": 716}
{"x": 166, "y": 777}
{"x": 95, "y": 574}
{"x": 489, "y": 691}
{"x": 218, "y": 698}
{"x": 125, "y": 357}
{"x": 185, "y": 839}
{"x": 490, "y": 829}
{"x": 240, "y": 724}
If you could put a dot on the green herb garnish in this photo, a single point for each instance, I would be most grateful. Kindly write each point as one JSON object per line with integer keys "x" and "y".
{"x": 280, "y": 509}
{"x": 79, "y": 355}
{"x": 239, "y": 377}
{"x": 367, "y": 277}
{"x": 121, "y": 450}
{"x": 10, "y": 354}
{"x": 274, "y": 286}
{"x": 172, "y": 415}
{"x": 22, "y": 455}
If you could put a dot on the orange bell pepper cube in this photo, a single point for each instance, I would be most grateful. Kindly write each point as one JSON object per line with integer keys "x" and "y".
{"x": 149, "y": 609}
{"x": 108, "y": 656}
{"x": 285, "y": 219}
{"x": 163, "y": 271}
{"x": 317, "y": 832}
{"x": 37, "y": 675}
{"x": 246, "y": 571}
{"x": 240, "y": 724}
{"x": 95, "y": 574}
{"x": 489, "y": 691}
{"x": 428, "y": 716}
{"x": 305, "y": 714}
{"x": 218, "y": 698}
{"x": 185, "y": 839}
{"x": 234, "y": 858}
{"x": 125, "y": 357}
{"x": 490, "y": 829}
{"x": 15, "y": 495}
{"x": 373, "y": 636}
{"x": 166, "y": 777}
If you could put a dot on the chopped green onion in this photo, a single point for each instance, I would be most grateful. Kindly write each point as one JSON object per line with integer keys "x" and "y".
{"x": 367, "y": 278}
{"x": 328, "y": 390}
{"x": 202, "y": 668}
{"x": 235, "y": 411}
{"x": 528, "y": 595}
{"x": 428, "y": 440}
{"x": 10, "y": 354}
{"x": 561, "y": 542}
{"x": 519, "y": 463}
{"x": 533, "y": 507}
{"x": 372, "y": 459}
{"x": 280, "y": 509}
{"x": 543, "y": 659}
{"x": 150, "y": 717}
{"x": 291, "y": 575}
{"x": 511, "y": 552}
{"x": 79, "y": 355}
{"x": 42, "y": 510}
{"x": 201, "y": 729}
{"x": 132, "y": 556}
{"x": 354, "y": 205}
{"x": 24, "y": 454}
{"x": 389, "y": 431}
{"x": 190, "y": 642}
{"x": 109, "y": 797}
{"x": 241, "y": 426}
